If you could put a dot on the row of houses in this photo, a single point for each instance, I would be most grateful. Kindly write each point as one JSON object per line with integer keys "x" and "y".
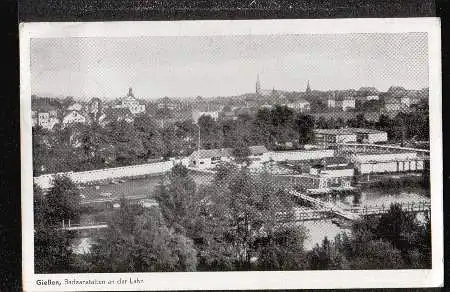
{"x": 326, "y": 137}
{"x": 94, "y": 111}
{"x": 391, "y": 102}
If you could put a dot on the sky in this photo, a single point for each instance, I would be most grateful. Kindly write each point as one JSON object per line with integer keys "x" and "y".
{"x": 209, "y": 66}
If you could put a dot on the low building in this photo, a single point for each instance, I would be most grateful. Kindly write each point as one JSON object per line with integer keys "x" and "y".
{"x": 206, "y": 159}
{"x": 370, "y": 136}
{"x": 73, "y": 117}
{"x": 392, "y": 104}
{"x": 349, "y": 135}
{"x": 197, "y": 114}
{"x": 388, "y": 162}
{"x": 148, "y": 203}
{"x": 333, "y": 172}
{"x": 332, "y": 136}
{"x": 116, "y": 115}
{"x": 258, "y": 155}
{"x": 75, "y": 107}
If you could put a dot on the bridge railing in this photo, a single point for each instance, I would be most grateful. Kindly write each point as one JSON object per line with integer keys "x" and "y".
{"x": 380, "y": 209}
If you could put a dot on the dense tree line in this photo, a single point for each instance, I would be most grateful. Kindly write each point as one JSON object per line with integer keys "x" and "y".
{"x": 231, "y": 224}
{"x": 52, "y": 246}
{"x": 395, "y": 240}
{"x": 118, "y": 143}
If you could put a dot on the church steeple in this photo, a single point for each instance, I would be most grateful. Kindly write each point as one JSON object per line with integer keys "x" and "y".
{"x": 308, "y": 89}
{"x": 130, "y": 92}
{"x": 258, "y": 84}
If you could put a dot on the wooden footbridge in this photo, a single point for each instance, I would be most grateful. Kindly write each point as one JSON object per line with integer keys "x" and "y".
{"x": 326, "y": 210}
{"x": 325, "y": 206}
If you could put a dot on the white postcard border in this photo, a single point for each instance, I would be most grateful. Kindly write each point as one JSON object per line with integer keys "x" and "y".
{"x": 237, "y": 280}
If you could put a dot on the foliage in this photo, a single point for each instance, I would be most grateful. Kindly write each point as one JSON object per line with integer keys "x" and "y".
{"x": 394, "y": 240}
{"x": 52, "y": 246}
{"x": 144, "y": 244}
{"x": 63, "y": 200}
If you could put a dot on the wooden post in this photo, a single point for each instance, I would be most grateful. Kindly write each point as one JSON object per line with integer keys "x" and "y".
{"x": 63, "y": 224}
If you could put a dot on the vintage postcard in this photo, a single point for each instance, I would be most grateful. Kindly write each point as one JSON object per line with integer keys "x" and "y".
{"x": 251, "y": 154}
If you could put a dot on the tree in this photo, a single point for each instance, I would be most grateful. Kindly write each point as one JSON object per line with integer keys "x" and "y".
{"x": 52, "y": 246}
{"x": 305, "y": 128}
{"x": 179, "y": 201}
{"x": 283, "y": 250}
{"x": 63, "y": 200}
{"x": 399, "y": 228}
{"x": 378, "y": 254}
{"x": 209, "y": 132}
{"x": 149, "y": 246}
{"x": 243, "y": 214}
{"x": 241, "y": 152}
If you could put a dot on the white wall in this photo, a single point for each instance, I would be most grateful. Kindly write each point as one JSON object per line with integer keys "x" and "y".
{"x": 301, "y": 154}
{"x": 378, "y": 137}
{"x": 337, "y": 172}
{"x": 380, "y": 167}
{"x": 383, "y": 157}
{"x": 345, "y": 138}
{"x": 45, "y": 181}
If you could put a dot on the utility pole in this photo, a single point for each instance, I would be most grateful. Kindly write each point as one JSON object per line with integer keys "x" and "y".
{"x": 198, "y": 143}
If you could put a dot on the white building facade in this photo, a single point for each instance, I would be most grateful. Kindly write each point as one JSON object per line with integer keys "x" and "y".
{"x": 387, "y": 162}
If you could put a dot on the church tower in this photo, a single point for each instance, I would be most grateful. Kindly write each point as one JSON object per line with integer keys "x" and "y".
{"x": 308, "y": 89}
{"x": 130, "y": 92}
{"x": 258, "y": 85}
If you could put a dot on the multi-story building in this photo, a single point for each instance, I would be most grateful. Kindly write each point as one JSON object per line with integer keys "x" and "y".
{"x": 130, "y": 102}
{"x": 341, "y": 102}
{"x": 46, "y": 117}
{"x": 301, "y": 105}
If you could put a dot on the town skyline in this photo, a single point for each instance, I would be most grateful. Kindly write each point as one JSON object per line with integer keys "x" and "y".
{"x": 226, "y": 66}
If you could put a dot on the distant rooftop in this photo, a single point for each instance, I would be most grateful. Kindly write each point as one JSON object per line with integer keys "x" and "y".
{"x": 340, "y": 131}
{"x": 347, "y": 131}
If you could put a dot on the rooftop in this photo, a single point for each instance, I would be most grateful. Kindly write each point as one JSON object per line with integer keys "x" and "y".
{"x": 335, "y": 160}
{"x": 255, "y": 150}
{"x": 209, "y": 153}
{"x": 340, "y": 131}
{"x": 347, "y": 131}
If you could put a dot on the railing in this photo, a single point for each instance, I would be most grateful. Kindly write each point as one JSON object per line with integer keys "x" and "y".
{"x": 381, "y": 209}
{"x": 79, "y": 226}
{"x": 383, "y": 147}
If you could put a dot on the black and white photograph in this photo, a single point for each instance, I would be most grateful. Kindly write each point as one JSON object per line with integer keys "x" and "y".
{"x": 221, "y": 148}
